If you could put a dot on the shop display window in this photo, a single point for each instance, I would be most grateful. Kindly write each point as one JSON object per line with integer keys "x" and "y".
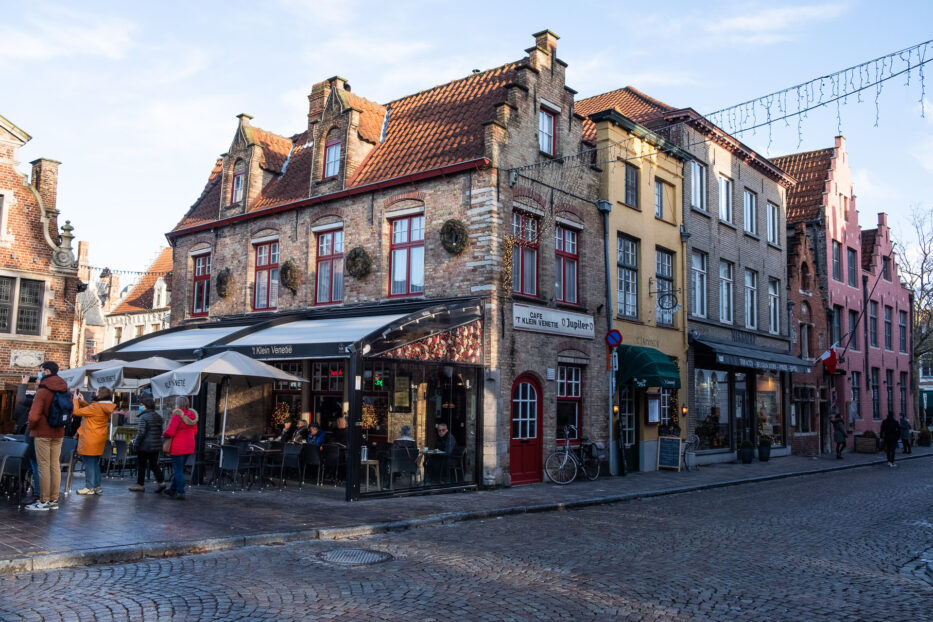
{"x": 712, "y": 406}
{"x": 769, "y": 407}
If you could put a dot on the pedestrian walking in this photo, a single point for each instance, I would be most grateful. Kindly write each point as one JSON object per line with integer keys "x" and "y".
{"x": 890, "y": 433}
{"x": 147, "y": 445}
{"x": 92, "y": 436}
{"x": 24, "y": 399}
{"x": 839, "y": 435}
{"x": 181, "y": 430}
{"x": 906, "y": 427}
{"x": 47, "y": 438}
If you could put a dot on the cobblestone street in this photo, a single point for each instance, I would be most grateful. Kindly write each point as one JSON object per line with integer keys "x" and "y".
{"x": 844, "y": 545}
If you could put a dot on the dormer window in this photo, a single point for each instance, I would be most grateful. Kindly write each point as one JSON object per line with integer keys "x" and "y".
{"x": 331, "y": 156}
{"x": 547, "y": 131}
{"x": 238, "y": 183}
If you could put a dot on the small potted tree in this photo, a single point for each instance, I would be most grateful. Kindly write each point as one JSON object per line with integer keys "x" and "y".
{"x": 924, "y": 437}
{"x": 867, "y": 443}
{"x": 746, "y": 452}
{"x": 764, "y": 447}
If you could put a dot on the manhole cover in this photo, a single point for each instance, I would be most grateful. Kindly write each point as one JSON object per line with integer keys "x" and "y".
{"x": 354, "y": 557}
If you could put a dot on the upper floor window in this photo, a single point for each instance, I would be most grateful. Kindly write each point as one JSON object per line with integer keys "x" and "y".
{"x": 266, "y": 288}
{"x": 658, "y": 198}
{"x": 698, "y": 293}
{"x": 631, "y": 186}
{"x": 836, "y": 324}
{"x": 886, "y": 268}
{"x": 201, "y": 298}
{"x": 697, "y": 185}
{"x": 902, "y": 386}
{"x": 875, "y": 397}
{"x": 569, "y": 400}
{"x": 774, "y": 223}
{"x": 926, "y": 366}
{"x": 331, "y": 157}
{"x": 407, "y": 256}
{"x": 238, "y": 183}
{"x": 751, "y": 299}
{"x": 525, "y": 254}
{"x": 873, "y": 323}
{"x": 726, "y": 291}
{"x": 853, "y": 332}
{"x": 837, "y": 261}
{"x": 751, "y": 212}
{"x": 805, "y": 277}
{"x": 329, "y": 266}
{"x": 21, "y": 299}
{"x": 628, "y": 277}
{"x": 774, "y": 306}
{"x": 889, "y": 388}
{"x": 566, "y": 260}
{"x": 725, "y": 199}
{"x": 547, "y": 131}
{"x": 117, "y": 334}
{"x": 888, "y": 337}
{"x": 902, "y": 331}
{"x": 665, "y": 276}
{"x": 852, "y": 265}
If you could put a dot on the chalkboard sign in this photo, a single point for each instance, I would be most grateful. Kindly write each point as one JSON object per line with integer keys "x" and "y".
{"x": 669, "y": 452}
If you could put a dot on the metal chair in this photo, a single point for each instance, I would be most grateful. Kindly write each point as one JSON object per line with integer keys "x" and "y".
{"x": 404, "y": 461}
{"x": 11, "y": 469}
{"x": 311, "y": 455}
{"x": 119, "y": 457}
{"x": 69, "y": 460}
{"x": 457, "y": 464}
{"x": 332, "y": 458}
{"x": 290, "y": 458}
{"x": 233, "y": 459}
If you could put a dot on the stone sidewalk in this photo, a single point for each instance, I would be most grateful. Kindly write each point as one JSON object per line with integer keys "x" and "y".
{"x": 123, "y": 526}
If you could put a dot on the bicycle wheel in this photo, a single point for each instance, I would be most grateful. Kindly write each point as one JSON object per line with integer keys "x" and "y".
{"x": 560, "y": 468}
{"x": 591, "y": 468}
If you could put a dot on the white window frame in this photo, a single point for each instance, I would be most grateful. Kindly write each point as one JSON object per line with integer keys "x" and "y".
{"x": 751, "y": 299}
{"x": 332, "y": 159}
{"x": 664, "y": 283}
{"x": 658, "y": 198}
{"x": 725, "y": 200}
{"x": 16, "y": 293}
{"x": 774, "y": 223}
{"x": 750, "y": 205}
{"x": 698, "y": 186}
{"x": 698, "y": 273}
{"x": 774, "y": 306}
{"x": 627, "y": 281}
{"x": 726, "y": 291}
{"x": 547, "y": 131}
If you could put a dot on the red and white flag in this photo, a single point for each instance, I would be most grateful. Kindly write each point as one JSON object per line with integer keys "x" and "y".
{"x": 829, "y": 359}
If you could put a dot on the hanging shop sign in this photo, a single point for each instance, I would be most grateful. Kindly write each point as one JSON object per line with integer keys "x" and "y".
{"x": 553, "y": 321}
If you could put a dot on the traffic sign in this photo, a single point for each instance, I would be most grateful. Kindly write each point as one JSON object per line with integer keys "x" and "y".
{"x": 613, "y": 338}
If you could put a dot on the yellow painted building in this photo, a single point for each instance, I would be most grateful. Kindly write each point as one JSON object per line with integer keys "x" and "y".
{"x": 642, "y": 181}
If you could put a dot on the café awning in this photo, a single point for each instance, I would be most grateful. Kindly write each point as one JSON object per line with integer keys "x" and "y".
{"x": 741, "y": 355}
{"x": 647, "y": 367}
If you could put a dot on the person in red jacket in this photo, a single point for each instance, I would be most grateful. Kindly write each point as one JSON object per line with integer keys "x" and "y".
{"x": 48, "y": 440}
{"x": 182, "y": 428}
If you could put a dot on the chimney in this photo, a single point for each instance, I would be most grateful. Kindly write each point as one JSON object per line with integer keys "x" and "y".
{"x": 84, "y": 272}
{"x": 316, "y": 101}
{"x": 244, "y": 119}
{"x": 882, "y": 220}
{"x": 542, "y": 55}
{"x": 546, "y": 40}
{"x": 45, "y": 181}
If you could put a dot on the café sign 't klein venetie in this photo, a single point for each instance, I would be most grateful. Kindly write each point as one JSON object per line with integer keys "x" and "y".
{"x": 553, "y": 321}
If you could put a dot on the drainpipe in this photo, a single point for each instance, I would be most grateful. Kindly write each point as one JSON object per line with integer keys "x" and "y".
{"x": 615, "y": 453}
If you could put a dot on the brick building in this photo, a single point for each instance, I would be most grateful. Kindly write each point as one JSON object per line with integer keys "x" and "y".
{"x": 867, "y": 307}
{"x": 738, "y": 358}
{"x": 388, "y": 244}
{"x": 37, "y": 271}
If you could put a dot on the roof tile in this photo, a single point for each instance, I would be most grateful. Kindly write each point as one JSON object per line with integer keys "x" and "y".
{"x": 627, "y": 101}
{"x": 811, "y": 170}
{"x": 140, "y": 299}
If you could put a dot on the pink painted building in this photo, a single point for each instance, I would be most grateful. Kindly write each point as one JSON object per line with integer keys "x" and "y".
{"x": 867, "y": 307}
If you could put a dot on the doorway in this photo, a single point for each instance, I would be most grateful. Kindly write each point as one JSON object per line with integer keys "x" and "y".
{"x": 525, "y": 447}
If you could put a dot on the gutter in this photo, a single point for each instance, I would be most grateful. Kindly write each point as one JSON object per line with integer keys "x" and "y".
{"x": 324, "y": 198}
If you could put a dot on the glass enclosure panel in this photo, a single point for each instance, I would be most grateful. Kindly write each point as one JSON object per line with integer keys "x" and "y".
{"x": 712, "y": 406}
{"x": 769, "y": 407}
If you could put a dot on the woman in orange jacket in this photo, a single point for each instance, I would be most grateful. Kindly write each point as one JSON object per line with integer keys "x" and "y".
{"x": 92, "y": 436}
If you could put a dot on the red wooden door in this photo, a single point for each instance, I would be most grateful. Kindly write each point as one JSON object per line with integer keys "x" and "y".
{"x": 525, "y": 450}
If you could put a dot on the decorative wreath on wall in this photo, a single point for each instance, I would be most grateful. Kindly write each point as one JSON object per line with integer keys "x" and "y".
{"x": 454, "y": 236}
{"x": 224, "y": 281}
{"x": 357, "y": 263}
{"x": 288, "y": 276}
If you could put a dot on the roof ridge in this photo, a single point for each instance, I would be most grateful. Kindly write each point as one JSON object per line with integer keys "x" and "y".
{"x": 802, "y": 153}
{"x": 649, "y": 98}
{"x": 467, "y": 77}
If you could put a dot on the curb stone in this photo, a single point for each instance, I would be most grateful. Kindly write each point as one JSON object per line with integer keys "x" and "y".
{"x": 151, "y": 550}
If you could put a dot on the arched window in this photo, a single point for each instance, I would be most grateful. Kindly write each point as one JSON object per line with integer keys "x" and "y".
{"x": 238, "y": 182}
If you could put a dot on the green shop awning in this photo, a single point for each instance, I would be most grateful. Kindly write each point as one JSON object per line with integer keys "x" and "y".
{"x": 647, "y": 367}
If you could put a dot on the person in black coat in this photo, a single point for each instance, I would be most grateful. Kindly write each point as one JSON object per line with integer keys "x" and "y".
{"x": 23, "y": 403}
{"x": 148, "y": 444}
{"x": 890, "y": 432}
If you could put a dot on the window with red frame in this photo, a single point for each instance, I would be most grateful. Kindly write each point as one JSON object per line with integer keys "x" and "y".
{"x": 331, "y": 158}
{"x": 200, "y": 304}
{"x": 567, "y": 258}
{"x": 525, "y": 254}
{"x": 407, "y": 256}
{"x": 266, "y": 288}
{"x": 330, "y": 267}
{"x": 569, "y": 400}
{"x": 547, "y": 131}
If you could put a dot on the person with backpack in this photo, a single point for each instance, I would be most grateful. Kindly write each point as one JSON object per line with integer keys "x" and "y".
{"x": 179, "y": 444}
{"x": 147, "y": 444}
{"x": 92, "y": 436}
{"x": 47, "y": 419}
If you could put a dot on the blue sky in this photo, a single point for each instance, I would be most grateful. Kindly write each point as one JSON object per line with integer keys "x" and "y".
{"x": 138, "y": 99}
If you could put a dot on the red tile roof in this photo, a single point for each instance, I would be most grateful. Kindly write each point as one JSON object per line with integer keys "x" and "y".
{"x": 437, "y": 127}
{"x": 811, "y": 170}
{"x": 140, "y": 299}
{"x": 869, "y": 237}
{"x": 627, "y": 101}
{"x": 206, "y": 208}
{"x": 295, "y": 183}
{"x": 275, "y": 148}
{"x": 372, "y": 116}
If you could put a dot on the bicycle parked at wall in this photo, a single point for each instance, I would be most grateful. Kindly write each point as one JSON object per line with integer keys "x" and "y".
{"x": 566, "y": 461}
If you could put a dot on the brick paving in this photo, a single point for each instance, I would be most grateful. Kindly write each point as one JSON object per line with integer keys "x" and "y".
{"x": 840, "y": 545}
{"x": 121, "y": 518}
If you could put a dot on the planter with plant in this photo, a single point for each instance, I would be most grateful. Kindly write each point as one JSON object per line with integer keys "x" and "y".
{"x": 924, "y": 437}
{"x": 289, "y": 276}
{"x": 867, "y": 443}
{"x": 764, "y": 447}
{"x": 746, "y": 452}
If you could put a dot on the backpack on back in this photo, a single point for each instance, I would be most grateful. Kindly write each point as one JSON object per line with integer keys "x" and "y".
{"x": 61, "y": 410}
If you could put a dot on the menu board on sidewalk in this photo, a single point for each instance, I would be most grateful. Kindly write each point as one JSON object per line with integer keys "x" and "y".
{"x": 669, "y": 452}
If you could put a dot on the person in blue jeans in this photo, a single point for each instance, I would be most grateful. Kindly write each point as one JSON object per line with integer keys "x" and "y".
{"x": 182, "y": 428}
